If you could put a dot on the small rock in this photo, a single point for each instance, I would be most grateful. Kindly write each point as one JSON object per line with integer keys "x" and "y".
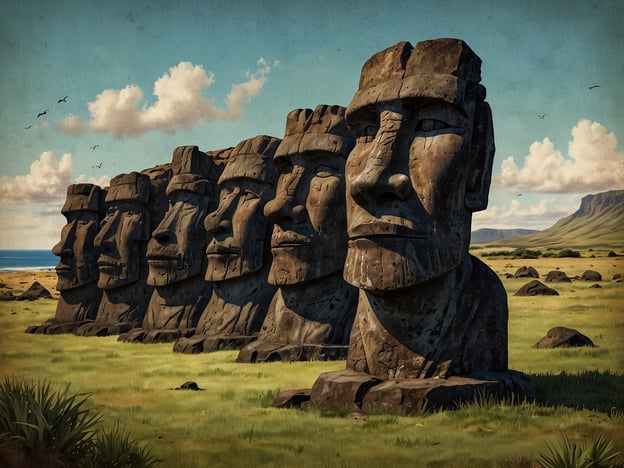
{"x": 563, "y": 337}
{"x": 189, "y": 386}
{"x": 536, "y": 288}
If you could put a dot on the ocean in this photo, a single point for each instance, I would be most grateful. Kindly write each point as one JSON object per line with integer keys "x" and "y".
{"x": 16, "y": 260}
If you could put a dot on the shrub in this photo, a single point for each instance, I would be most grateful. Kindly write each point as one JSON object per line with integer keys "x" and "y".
{"x": 568, "y": 253}
{"x": 526, "y": 253}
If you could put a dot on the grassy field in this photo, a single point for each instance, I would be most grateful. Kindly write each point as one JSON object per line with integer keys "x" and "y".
{"x": 231, "y": 422}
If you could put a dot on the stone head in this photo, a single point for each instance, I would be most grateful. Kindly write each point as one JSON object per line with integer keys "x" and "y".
{"x": 238, "y": 231}
{"x": 83, "y": 210}
{"x": 124, "y": 230}
{"x": 421, "y": 164}
{"x": 176, "y": 250}
{"x": 308, "y": 211}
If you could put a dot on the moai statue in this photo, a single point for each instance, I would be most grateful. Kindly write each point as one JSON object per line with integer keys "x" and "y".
{"x": 77, "y": 271}
{"x": 176, "y": 251}
{"x": 431, "y": 322}
{"x": 135, "y": 205}
{"x": 238, "y": 251}
{"x": 312, "y": 312}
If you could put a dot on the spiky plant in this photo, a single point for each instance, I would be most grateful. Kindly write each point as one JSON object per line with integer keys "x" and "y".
{"x": 597, "y": 452}
{"x": 114, "y": 448}
{"x": 34, "y": 417}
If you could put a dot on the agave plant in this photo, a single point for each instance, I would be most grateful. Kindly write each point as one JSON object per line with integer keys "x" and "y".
{"x": 597, "y": 452}
{"x": 34, "y": 417}
{"x": 114, "y": 448}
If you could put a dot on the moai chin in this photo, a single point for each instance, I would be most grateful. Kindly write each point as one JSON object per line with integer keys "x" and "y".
{"x": 77, "y": 272}
{"x": 238, "y": 251}
{"x": 135, "y": 205}
{"x": 175, "y": 252}
{"x": 431, "y": 323}
{"x": 312, "y": 312}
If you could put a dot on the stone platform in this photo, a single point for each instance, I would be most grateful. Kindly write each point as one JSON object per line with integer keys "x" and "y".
{"x": 261, "y": 351}
{"x": 357, "y": 392}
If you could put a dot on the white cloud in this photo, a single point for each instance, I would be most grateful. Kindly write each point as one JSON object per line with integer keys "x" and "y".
{"x": 46, "y": 182}
{"x": 540, "y": 215}
{"x": 179, "y": 103}
{"x": 592, "y": 165}
{"x": 48, "y": 178}
{"x": 33, "y": 226}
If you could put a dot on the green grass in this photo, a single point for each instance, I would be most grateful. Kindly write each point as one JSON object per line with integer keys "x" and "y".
{"x": 232, "y": 423}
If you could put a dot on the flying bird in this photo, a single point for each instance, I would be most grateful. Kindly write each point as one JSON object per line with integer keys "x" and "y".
{"x": 97, "y": 165}
{"x": 519, "y": 195}
{"x": 541, "y": 116}
{"x": 43, "y": 113}
{"x": 594, "y": 86}
{"x": 95, "y": 146}
{"x": 62, "y": 100}
{"x": 26, "y": 128}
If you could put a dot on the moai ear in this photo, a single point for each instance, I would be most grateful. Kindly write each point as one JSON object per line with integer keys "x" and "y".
{"x": 482, "y": 159}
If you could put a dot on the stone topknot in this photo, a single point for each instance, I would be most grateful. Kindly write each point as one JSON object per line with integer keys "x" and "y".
{"x": 445, "y": 68}
{"x": 323, "y": 129}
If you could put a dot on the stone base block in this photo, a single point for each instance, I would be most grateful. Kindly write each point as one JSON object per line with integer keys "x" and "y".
{"x": 263, "y": 351}
{"x": 102, "y": 329}
{"x": 139, "y": 335}
{"x": 356, "y": 391}
{"x": 53, "y": 328}
{"x": 205, "y": 344}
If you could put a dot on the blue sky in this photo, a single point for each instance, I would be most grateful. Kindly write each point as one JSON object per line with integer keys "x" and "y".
{"x": 142, "y": 77}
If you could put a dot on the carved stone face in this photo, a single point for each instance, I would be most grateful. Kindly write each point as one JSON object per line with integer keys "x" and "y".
{"x": 123, "y": 231}
{"x": 78, "y": 259}
{"x": 176, "y": 250}
{"x": 408, "y": 182}
{"x": 238, "y": 229}
{"x": 308, "y": 211}
{"x": 78, "y": 263}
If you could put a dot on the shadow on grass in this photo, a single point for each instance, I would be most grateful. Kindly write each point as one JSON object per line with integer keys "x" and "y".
{"x": 593, "y": 390}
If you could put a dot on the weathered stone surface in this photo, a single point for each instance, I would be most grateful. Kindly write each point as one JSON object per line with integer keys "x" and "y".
{"x": 136, "y": 204}
{"x": 559, "y": 337}
{"x": 238, "y": 249}
{"x": 189, "y": 386}
{"x": 77, "y": 271}
{"x": 343, "y": 389}
{"x": 175, "y": 252}
{"x": 354, "y": 391}
{"x": 35, "y": 291}
{"x": 526, "y": 272}
{"x": 421, "y": 166}
{"x": 314, "y": 307}
{"x": 590, "y": 275}
{"x": 556, "y": 276}
{"x": 536, "y": 288}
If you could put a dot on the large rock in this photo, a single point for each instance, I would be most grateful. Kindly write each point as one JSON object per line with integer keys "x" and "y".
{"x": 562, "y": 337}
{"x": 526, "y": 272}
{"x": 536, "y": 288}
{"x": 591, "y": 275}
{"x": 556, "y": 276}
{"x": 35, "y": 291}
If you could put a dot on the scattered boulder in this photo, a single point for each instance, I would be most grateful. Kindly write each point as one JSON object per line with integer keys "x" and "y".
{"x": 189, "y": 386}
{"x": 292, "y": 398}
{"x": 590, "y": 275}
{"x": 556, "y": 276}
{"x": 508, "y": 275}
{"x": 526, "y": 272}
{"x": 536, "y": 288}
{"x": 595, "y": 286}
{"x": 562, "y": 337}
{"x": 35, "y": 291}
{"x": 6, "y": 295}
{"x": 617, "y": 276}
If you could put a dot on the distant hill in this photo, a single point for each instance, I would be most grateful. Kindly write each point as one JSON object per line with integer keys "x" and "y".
{"x": 599, "y": 222}
{"x": 490, "y": 235}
